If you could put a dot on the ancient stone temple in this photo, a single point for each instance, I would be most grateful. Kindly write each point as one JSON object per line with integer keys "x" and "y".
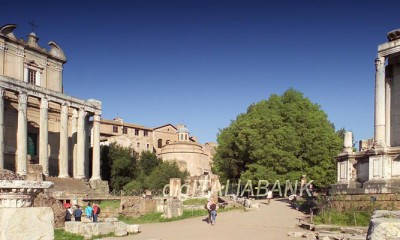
{"x": 40, "y": 124}
{"x": 375, "y": 167}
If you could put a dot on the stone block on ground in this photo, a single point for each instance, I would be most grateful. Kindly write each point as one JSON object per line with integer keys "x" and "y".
{"x": 120, "y": 229}
{"x": 111, "y": 219}
{"x": 132, "y": 228}
{"x": 26, "y": 223}
{"x": 384, "y": 228}
{"x": 89, "y": 230}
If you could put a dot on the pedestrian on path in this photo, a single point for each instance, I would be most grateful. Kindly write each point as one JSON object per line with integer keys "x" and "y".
{"x": 213, "y": 208}
{"x": 208, "y": 205}
{"x": 269, "y": 196}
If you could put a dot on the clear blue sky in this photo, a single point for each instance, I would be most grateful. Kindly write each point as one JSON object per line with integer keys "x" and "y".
{"x": 202, "y": 63}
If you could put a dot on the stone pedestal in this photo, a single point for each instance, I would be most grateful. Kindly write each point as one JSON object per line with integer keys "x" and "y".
{"x": 173, "y": 208}
{"x": 26, "y": 223}
{"x": 99, "y": 186}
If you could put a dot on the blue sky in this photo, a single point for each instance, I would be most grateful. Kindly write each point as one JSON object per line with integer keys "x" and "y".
{"x": 202, "y": 63}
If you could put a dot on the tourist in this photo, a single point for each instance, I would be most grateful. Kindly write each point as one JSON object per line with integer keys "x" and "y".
{"x": 269, "y": 196}
{"x": 68, "y": 214}
{"x": 208, "y": 205}
{"x": 95, "y": 212}
{"x": 78, "y": 213}
{"x": 89, "y": 211}
{"x": 213, "y": 208}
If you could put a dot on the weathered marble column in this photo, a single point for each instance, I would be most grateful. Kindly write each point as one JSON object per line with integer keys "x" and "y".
{"x": 44, "y": 136}
{"x": 348, "y": 142}
{"x": 1, "y": 128}
{"x": 74, "y": 133}
{"x": 81, "y": 142}
{"x": 380, "y": 102}
{"x": 63, "y": 157}
{"x": 96, "y": 147}
{"x": 22, "y": 134}
{"x": 388, "y": 97}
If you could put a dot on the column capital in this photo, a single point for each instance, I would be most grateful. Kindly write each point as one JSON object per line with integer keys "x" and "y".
{"x": 44, "y": 103}
{"x": 23, "y": 97}
{"x": 82, "y": 112}
{"x": 379, "y": 63}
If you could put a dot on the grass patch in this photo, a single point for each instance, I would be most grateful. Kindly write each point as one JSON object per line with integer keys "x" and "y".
{"x": 350, "y": 218}
{"x": 110, "y": 204}
{"x": 196, "y": 201}
{"x": 60, "y": 234}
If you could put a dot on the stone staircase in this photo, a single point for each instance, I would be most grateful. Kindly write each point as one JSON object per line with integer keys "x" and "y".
{"x": 66, "y": 188}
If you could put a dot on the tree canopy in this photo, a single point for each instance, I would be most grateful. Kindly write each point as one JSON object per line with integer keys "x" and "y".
{"x": 125, "y": 169}
{"x": 281, "y": 138}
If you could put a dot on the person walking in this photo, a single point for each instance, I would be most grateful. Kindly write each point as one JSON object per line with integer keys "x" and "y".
{"x": 269, "y": 196}
{"x": 213, "y": 208}
{"x": 89, "y": 211}
{"x": 208, "y": 205}
{"x": 78, "y": 213}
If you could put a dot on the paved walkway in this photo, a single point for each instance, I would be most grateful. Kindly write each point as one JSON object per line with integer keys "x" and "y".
{"x": 272, "y": 222}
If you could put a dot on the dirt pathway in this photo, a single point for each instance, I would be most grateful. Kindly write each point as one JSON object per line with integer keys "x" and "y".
{"x": 272, "y": 221}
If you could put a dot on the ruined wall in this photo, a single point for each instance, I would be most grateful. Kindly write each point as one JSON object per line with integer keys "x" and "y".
{"x": 364, "y": 202}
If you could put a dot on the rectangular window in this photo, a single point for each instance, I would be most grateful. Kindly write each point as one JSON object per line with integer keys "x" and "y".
{"x": 115, "y": 129}
{"x": 32, "y": 76}
{"x": 125, "y": 130}
{"x": 136, "y": 132}
{"x": 138, "y": 145}
{"x": 145, "y": 133}
{"x": 148, "y": 146}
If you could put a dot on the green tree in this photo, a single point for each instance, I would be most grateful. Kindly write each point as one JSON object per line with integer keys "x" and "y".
{"x": 280, "y": 138}
{"x": 148, "y": 161}
{"x": 160, "y": 176}
{"x": 123, "y": 166}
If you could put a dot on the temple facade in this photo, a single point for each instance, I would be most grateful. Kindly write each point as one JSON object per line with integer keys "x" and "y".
{"x": 375, "y": 167}
{"x": 39, "y": 124}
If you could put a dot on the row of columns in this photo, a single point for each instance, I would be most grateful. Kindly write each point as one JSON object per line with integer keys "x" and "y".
{"x": 78, "y": 127}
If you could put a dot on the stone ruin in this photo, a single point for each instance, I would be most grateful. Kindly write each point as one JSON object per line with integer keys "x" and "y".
{"x": 18, "y": 218}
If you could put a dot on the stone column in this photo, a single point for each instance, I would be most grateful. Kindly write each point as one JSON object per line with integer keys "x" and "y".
{"x": 22, "y": 134}
{"x": 74, "y": 133}
{"x": 380, "y": 102}
{"x": 96, "y": 147}
{"x": 1, "y": 128}
{"x": 388, "y": 97}
{"x": 81, "y": 142}
{"x": 63, "y": 157}
{"x": 43, "y": 137}
{"x": 348, "y": 142}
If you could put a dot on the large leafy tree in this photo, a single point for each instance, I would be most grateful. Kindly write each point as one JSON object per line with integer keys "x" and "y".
{"x": 280, "y": 138}
{"x": 122, "y": 165}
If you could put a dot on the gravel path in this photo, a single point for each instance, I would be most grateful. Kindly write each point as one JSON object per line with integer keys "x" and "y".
{"x": 272, "y": 221}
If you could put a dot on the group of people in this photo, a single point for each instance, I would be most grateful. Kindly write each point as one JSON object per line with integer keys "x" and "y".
{"x": 91, "y": 213}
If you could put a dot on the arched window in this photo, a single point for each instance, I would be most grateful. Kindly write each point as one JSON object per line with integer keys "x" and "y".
{"x": 160, "y": 143}
{"x": 167, "y": 142}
